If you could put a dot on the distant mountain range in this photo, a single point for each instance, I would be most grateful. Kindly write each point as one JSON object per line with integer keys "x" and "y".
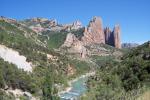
{"x": 129, "y": 45}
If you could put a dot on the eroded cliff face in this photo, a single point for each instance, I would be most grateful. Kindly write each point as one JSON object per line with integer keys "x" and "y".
{"x": 14, "y": 57}
{"x": 113, "y": 37}
{"x": 94, "y": 32}
{"x": 75, "y": 45}
{"x": 109, "y": 36}
{"x": 116, "y": 32}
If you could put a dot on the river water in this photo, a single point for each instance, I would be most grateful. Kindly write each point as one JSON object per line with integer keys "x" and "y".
{"x": 78, "y": 88}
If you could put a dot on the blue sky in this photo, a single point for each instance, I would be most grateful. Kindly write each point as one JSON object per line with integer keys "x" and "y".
{"x": 132, "y": 15}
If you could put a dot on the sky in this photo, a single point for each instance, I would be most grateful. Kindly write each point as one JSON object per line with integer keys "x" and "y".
{"x": 133, "y": 16}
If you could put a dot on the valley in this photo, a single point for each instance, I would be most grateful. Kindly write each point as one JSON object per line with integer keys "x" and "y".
{"x": 41, "y": 59}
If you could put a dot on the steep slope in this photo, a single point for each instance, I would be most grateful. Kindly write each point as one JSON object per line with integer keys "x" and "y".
{"x": 10, "y": 55}
{"x": 50, "y": 67}
{"x": 127, "y": 79}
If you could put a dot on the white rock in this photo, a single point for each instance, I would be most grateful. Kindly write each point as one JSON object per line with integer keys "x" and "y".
{"x": 14, "y": 57}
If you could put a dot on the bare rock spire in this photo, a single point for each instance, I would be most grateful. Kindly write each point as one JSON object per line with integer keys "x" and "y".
{"x": 116, "y": 32}
{"x": 94, "y": 32}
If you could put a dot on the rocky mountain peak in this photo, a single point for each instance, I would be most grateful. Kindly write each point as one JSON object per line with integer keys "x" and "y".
{"x": 38, "y": 19}
{"x": 109, "y": 36}
{"x": 116, "y": 32}
{"x": 70, "y": 39}
{"x": 53, "y": 23}
{"x": 76, "y": 25}
{"x": 94, "y": 32}
{"x": 9, "y": 20}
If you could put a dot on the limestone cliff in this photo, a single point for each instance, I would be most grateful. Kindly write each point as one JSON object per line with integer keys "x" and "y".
{"x": 109, "y": 36}
{"x": 75, "y": 45}
{"x": 116, "y": 33}
{"x": 14, "y": 57}
{"x": 94, "y": 32}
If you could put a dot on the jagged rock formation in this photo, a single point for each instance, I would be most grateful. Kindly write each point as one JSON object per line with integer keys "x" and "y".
{"x": 53, "y": 23}
{"x": 94, "y": 32}
{"x": 74, "y": 26}
{"x": 37, "y": 28}
{"x": 113, "y": 37}
{"x": 10, "y": 20}
{"x": 70, "y": 40}
{"x": 75, "y": 45}
{"x": 116, "y": 33}
{"x": 109, "y": 36}
{"x": 40, "y": 24}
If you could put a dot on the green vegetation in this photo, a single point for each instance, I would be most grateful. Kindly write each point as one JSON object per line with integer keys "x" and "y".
{"x": 4, "y": 96}
{"x": 16, "y": 78}
{"x": 121, "y": 80}
{"x": 56, "y": 39}
{"x": 46, "y": 73}
{"x": 14, "y": 38}
{"x": 102, "y": 61}
{"x": 78, "y": 33}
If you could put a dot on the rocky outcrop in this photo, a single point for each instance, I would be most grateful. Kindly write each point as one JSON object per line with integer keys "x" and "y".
{"x": 94, "y": 32}
{"x": 36, "y": 19}
{"x": 113, "y": 37}
{"x": 116, "y": 33}
{"x": 70, "y": 40}
{"x": 74, "y": 26}
{"x": 18, "y": 93}
{"x": 109, "y": 36}
{"x": 75, "y": 45}
{"x": 53, "y": 23}
{"x": 149, "y": 44}
{"x": 37, "y": 28}
{"x": 70, "y": 70}
{"x": 9, "y": 20}
{"x": 14, "y": 57}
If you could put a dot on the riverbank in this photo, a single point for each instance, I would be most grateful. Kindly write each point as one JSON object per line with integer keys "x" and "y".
{"x": 67, "y": 89}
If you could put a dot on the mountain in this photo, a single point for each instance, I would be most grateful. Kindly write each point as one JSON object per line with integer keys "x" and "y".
{"x": 129, "y": 45}
{"x": 95, "y": 33}
{"x": 38, "y": 57}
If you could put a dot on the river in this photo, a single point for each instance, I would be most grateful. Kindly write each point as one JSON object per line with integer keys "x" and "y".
{"x": 77, "y": 88}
